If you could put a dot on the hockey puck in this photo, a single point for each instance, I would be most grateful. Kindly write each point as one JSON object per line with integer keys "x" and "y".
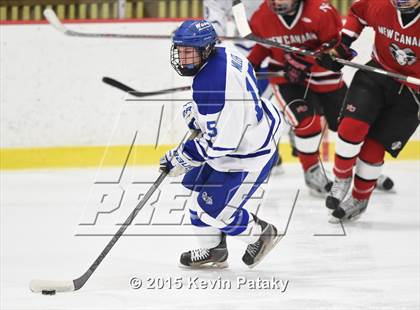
{"x": 48, "y": 292}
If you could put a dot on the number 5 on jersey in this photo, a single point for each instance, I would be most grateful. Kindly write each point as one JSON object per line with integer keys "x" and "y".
{"x": 211, "y": 128}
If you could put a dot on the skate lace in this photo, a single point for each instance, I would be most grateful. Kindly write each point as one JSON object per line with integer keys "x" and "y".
{"x": 253, "y": 248}
{"x": 199, "y": 254}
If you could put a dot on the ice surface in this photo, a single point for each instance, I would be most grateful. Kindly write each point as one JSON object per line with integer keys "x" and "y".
{"x": 375, "y": 265}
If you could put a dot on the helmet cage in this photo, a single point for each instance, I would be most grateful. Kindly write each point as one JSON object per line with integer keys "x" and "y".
{"x": 190, "y": 69}
{"x": 283, "y": 9}
{"x": 405, "y": 6}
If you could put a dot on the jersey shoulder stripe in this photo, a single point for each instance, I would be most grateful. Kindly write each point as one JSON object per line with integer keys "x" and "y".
{"x": 209, "y": 85}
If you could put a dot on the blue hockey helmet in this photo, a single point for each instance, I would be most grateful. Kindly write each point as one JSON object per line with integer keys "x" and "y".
{"x": 192, "y": 44}
{"x": 406, "y": 6}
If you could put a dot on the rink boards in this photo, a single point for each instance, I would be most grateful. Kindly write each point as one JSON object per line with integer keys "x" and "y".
{"x": 56, "y": 112}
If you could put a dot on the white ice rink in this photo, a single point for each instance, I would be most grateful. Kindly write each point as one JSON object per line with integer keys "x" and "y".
{"x": 375, "y": 265}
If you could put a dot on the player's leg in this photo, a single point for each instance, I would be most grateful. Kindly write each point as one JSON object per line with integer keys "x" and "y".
{"x": 220, "y": 204}
{"x": 368, "y": 169}
{"x": 212, "y": 251}
{"x": 391, "y": 130}
{"x": 260, "y": 235}
{"x": 361, "y": 107}
{"x": 303, "y": 115}
{"x": 332, "y": 104}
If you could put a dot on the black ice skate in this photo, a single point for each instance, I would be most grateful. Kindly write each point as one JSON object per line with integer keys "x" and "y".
{"x": 350, "y": 209}
{"x": 255, "y": 252}
{"x": 206, "y": 258}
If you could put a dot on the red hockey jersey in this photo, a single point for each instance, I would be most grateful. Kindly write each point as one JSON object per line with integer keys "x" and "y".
{"x": 315, "y": 23}
{"x": 397, "y": 47}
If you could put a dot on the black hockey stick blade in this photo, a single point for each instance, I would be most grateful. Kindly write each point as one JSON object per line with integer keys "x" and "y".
{"x": 114, "y": 83}
{"x": 38, "y": 286}
{"x": 125, "y": 88}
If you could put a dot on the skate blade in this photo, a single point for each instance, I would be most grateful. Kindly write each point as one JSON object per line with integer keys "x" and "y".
{"x": 266, "y": 251}
{"x": 355, "y": 217}
{"x": 212, "y": 265}
{"x": 334, "y": 220}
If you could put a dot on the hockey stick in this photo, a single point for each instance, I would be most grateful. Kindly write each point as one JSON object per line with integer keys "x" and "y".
{"x": 268, "y": 75}
{"x": 50, "y": 287}
{"x": 58, "y": 25}
{"x": 114, "y": 83}
{"x": 246, "y": 32}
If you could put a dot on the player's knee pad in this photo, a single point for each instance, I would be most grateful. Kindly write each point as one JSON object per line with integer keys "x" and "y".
{"x": 351, "y": 134}
{"x": 309, "y": 125}
{"x": 308, "y": 135}
{"x": 353, "y": 130}
{"x": 372, "y": 152}
{"x": 295, "y": 111}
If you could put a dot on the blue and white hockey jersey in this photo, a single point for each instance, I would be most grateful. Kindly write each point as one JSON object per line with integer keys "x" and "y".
{"x": 240, "y": 131}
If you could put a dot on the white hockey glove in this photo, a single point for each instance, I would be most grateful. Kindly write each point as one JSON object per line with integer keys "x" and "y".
{"x": 189, "y": 115}
{"x": 175, "y": 162}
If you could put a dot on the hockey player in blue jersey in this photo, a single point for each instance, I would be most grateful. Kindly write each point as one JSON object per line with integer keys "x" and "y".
{"x": 233, "y": 153}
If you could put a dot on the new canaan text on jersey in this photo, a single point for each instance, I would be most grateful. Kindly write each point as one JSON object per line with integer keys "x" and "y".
{"x": 295, "y": 38}
{"x": 398, "y": 37}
